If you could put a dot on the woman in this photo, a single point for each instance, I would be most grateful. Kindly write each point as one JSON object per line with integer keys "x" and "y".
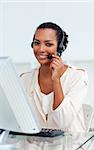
{"x": 57, "y": 89}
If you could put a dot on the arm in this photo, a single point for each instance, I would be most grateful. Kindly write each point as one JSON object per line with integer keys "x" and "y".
{"x": 68, "y": 98}
{"x": 58, "y": 68}
{"x": 75, "y": 92}
{"x": 58, "y": 93}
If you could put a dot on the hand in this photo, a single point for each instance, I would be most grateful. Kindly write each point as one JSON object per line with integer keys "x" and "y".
{"x": 57, "y": 67}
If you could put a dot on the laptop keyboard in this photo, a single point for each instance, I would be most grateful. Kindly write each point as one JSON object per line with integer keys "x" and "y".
{"x": 43, "y": 133}
{"x": 49, "y": 133}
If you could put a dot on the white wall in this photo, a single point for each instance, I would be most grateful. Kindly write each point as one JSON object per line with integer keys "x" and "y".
{"x": 18, "y": 21}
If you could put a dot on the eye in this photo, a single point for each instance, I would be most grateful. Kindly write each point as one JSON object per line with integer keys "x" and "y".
{"x": 49, "y": 44}
{"x": 36, "y": 43}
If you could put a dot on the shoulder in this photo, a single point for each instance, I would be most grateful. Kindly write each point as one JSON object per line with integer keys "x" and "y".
{"x": 78, "y": 74}
{"x": 29, "y": 77}
{"x": 77, "y": 71}
{"x": 29, "y": 74}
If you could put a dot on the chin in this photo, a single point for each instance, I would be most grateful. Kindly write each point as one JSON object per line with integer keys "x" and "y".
{"x": 42, "y": 62}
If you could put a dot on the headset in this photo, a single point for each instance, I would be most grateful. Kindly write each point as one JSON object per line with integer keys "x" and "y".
{"x": 61, "y": 47}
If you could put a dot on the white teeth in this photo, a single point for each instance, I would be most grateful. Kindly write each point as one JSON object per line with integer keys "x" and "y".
{"x": 42, "y": 56}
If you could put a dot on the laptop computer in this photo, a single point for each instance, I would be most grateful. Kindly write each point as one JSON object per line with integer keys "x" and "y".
{"x": 17, "y": 113}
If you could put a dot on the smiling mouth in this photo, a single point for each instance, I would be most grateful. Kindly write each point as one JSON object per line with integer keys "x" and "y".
{"x": 42, "y": 56}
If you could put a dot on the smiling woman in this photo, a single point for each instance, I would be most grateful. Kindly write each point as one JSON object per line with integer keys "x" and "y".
{"x": 57, "y": 89}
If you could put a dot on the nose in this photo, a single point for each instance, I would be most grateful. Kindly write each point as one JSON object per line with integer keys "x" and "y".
{"x": 42, "y": 48}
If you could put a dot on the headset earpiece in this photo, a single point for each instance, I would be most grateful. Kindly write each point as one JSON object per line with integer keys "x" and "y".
{"x": 32, "y": 44}
{"x": 61, "y": 47}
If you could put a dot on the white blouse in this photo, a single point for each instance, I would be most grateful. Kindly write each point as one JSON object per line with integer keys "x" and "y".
{"x": 68, "y": 115}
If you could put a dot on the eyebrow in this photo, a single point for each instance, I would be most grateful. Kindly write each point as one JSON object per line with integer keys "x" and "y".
{"x": 48, "y": 40}
{"x": 44, "y": 41}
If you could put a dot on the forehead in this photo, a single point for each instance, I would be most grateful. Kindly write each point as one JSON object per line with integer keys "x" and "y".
{"x": 48, "y": 34}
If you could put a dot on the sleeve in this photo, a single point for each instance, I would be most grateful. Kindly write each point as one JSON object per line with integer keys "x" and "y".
{"x": 28, "y": 79}
{"x": 24, "y": 79}
{"x": 66, "y": 112}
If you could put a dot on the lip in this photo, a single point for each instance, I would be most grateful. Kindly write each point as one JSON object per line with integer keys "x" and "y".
{"x": 42, "y": 56}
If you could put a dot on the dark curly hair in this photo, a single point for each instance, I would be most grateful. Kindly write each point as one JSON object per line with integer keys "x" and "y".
{"x": 61, "y": 35}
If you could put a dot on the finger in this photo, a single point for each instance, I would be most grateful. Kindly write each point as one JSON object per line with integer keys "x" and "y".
{"x": 55, "y": 56}
{"x": 60, "y": 62}
{"x": 57, "y": 60}
{"x": 56, "y": 63}
{"x": 53, "y": 66}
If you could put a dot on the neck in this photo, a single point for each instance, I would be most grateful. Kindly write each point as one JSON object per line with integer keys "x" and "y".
{"x": 45, "y": 71}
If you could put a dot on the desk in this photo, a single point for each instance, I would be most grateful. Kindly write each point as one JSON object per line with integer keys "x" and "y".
{"x": 67, "y": 142}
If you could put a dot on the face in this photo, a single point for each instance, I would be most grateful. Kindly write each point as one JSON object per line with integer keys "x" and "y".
{"x": 45, "y": 43}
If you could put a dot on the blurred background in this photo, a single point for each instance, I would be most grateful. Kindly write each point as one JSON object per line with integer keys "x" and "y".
{"x": 18, "y": 21}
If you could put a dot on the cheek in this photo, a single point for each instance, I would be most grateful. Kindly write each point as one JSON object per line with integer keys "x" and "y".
{"x": 53, "y": 50}
{"x": 35, "y": 50}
